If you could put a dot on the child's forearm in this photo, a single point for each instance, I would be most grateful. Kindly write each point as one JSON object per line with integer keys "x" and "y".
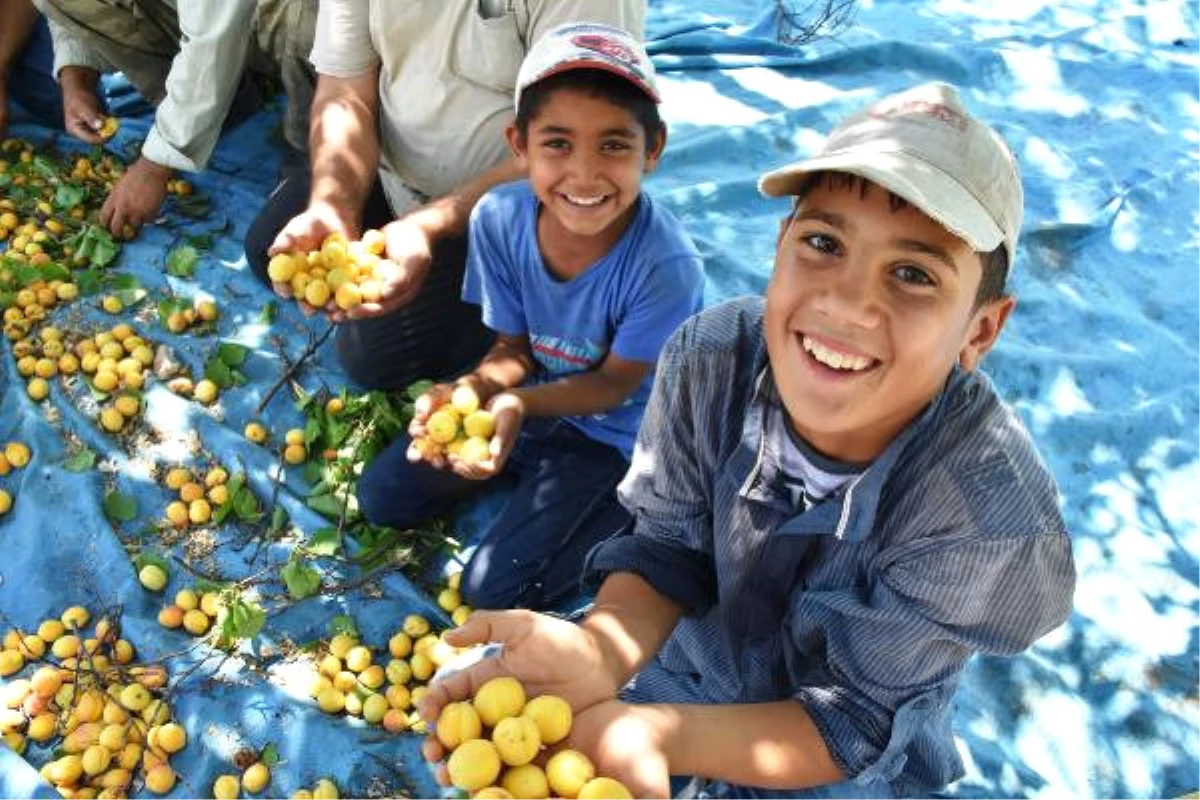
{"x": 592, "y": 392}
{"x": 508, "y": 363}
{"x": 771, "y": 745}
{"x": 629, "y": 621}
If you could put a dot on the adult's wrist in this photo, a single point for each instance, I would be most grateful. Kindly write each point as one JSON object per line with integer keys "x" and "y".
{"x": 434, "y": 219}
{"x": 327, "y": 208}
{"x": 155, "y": 169}
{"x": 77, "y": 78}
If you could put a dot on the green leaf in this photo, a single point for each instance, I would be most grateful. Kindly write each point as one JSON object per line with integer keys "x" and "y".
{"x": 269, "y": 755}
{"x": 232, "y": 353}
{"x": 279, "y": 520}
{"x": 312, "y": 431}
{"x": 325, "y": 504}
{"x": 233, "y": 488}
{"x": 104, "y": 251}
{"x": 343, "y": 623}
{"x": 120, "y": 507}
{"x": 325, "y": 542}
{"x": 301, "y": 580}
{"x": 245, "y": 505}
{"x": 146, "y": 557}
{"x": 169, "y": 306}
{"x": 242, "y": 620}
{"x": 181, "y": 261}
{"x": 69, "y": 196}
{"x": 81, "y": 460}
{"x": 89, "y": 282}
{"x": 216, "y": 371}
{"x": 268, "y": 313}
{"x": 200, "y": 241}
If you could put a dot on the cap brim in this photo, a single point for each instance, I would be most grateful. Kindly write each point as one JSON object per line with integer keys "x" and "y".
{"x": 932, "y": 191}
{"x": 606, "y": 66}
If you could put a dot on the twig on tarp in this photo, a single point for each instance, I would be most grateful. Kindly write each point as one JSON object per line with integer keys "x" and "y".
{"x": 799, "y": 23}
{"x": 292, "y": 367}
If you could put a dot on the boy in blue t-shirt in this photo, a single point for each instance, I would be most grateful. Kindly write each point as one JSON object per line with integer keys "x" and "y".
{"x": 583, "y": 278}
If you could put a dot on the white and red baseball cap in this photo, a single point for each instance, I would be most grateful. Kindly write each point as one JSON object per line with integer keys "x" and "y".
{"x": 587, "y": 45}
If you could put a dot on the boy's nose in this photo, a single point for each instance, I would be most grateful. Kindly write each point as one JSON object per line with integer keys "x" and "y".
{"x": 585, "y": 165}
{"x": 851, "y": 296}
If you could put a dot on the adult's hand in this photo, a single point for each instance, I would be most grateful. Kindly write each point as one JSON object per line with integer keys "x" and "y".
{"x": 546, "y": 654}
{"x": 136, "y": 198}
{"x": 306, "y": 231}
{"x": 82, "y": 115}
{"x": 402, "y": 273}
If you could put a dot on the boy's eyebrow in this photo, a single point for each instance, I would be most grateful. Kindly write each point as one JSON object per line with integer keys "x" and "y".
{"x": 839, "y": 221}
{"x": 624, "y": 133}
{"x": 940, "y": 253}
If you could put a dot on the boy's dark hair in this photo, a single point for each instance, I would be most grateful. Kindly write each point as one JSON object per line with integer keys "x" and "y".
{"x": 596, "y": 83}
{"x": 994, "y": 276}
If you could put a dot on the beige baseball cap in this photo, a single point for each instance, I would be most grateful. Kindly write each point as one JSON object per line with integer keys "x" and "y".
{"x": 587, "y": 45}
{"x": 923, "y": 145}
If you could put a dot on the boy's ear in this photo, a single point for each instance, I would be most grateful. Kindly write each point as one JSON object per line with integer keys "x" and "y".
{"x": 654, "y": 150}
{"x": 986, "y": 325}
{"x": 516, "y": 142}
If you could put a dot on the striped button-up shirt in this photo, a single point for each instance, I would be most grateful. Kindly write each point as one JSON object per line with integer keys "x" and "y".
{"x": 865, "y": 607}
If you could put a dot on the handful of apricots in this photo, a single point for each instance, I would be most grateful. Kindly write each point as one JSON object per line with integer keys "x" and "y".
{"x": 495, "y": 740}
{"x": 348, "y": 273}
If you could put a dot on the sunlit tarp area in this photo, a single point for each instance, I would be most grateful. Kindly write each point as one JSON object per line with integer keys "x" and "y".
{"x": 1099, "y": 100}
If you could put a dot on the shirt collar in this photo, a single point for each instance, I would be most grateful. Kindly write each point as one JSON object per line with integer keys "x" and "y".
{"x": 848, "y": 514}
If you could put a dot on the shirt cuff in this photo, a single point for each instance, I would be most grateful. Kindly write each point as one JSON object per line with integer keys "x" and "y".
{"x": 75, "y": 54}
{"x": 158, "y": 150}
{"x": 685, "y": 576}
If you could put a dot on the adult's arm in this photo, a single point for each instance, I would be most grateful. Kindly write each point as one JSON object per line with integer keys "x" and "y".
{"x": 343, "y": 133}
{"x": 77, "y": 68}
{"x": 19, "y": 17}
{"x": 200, "y": 87}
{"x": 213, "y": 43}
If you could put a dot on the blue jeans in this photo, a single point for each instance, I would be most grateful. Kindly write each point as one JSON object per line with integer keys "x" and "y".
{"x": 31, "y": 84}
{"x": 563, "y": 502}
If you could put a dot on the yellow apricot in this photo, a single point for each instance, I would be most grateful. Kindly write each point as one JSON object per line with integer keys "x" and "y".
{"x": 473, "y": 765}
{"x": 498, "y": 698}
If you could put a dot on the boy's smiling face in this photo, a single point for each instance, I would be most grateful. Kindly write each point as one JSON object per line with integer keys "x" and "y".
{"x": 869, "y": 307}
{"x": 586, "y": 157}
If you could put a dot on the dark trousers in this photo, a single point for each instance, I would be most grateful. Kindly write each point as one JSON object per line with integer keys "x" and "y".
{"x": 435, "y": 336}
{"x": 31, "y": 84}
{"x": 563, "y": 502}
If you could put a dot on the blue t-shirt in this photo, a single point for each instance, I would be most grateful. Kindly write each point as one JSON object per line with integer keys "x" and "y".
{"x": 628, "y": 302}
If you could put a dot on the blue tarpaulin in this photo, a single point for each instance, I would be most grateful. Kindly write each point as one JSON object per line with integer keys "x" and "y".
{"x": 1099, "y": 101}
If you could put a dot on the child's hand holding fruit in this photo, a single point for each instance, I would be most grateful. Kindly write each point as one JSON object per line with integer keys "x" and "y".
{"x": 452, "y": 428}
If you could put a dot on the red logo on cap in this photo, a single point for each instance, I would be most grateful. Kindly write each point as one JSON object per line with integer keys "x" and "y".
{"x": 605, "y": 45}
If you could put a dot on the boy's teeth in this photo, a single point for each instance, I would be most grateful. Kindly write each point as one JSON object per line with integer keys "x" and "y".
{"x": 834, "y": 359}
{"x": 585, "y": 201}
